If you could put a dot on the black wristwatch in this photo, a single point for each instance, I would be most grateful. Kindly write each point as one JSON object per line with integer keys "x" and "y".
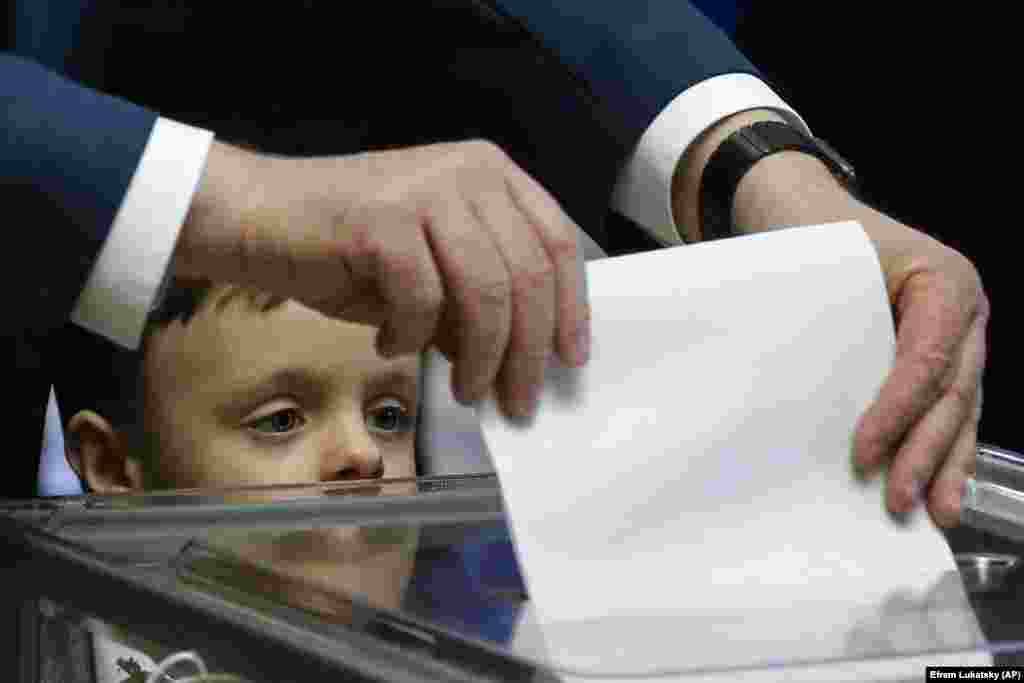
{"x": 740, "y": 151}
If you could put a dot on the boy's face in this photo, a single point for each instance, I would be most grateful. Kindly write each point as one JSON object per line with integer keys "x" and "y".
{"x": 240, "y": 396}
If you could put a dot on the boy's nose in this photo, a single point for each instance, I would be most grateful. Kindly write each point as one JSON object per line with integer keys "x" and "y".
{"x": 350, "y": 453}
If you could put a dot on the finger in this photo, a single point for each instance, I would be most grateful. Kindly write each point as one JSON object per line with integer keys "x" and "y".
{"x": 932, "y": 439}
{"x": 933, "y": 324}
{"x": 532, "y": 282}
{"x": 946, "y": 495}
{"x": 409, "y": 281}
{"x": 558, "y": 234}
{"x": 337, "y": 279}
{"x": 478, "y": 298}
{"x": 392, "y": 281}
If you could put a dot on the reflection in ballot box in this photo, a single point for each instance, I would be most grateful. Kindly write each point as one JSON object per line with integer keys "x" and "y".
{"x": 410, "y": 580}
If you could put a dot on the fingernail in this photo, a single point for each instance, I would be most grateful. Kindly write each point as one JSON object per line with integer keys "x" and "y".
{"x": 522, "y": 405}
{"x": 526, "y": 406}
{"x": 900, "y": 517}
{"x": 909, "y": 499}
{"x": 916, "y": 492}
{"x": 582, "y": 345}
{"x": 462, "y": 395}
{"x": 516, "y": 415}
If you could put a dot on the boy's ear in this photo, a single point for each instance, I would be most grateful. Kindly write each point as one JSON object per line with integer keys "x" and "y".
{"x": 97, "y": 452}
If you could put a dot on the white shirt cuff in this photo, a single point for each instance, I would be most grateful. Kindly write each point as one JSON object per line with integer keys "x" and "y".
{"x": 643, "y": 192}
{"x": 127, "y": 275}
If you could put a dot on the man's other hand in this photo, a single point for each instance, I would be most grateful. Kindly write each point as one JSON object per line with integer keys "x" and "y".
{"x": 450, "y": 245}
{"x": 925, "y": 419}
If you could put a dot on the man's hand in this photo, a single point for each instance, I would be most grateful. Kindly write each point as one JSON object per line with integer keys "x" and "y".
{"x": 450, "y": 244}
{"x": 925, "y": 419}
{"x": 924, "y": 423}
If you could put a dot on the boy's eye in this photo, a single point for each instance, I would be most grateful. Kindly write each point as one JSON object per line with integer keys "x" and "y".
{"x": 278, "y": 422}
{"x": 389, "y": 416}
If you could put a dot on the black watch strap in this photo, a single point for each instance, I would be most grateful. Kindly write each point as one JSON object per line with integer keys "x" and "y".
{"x": 740, "y": 151}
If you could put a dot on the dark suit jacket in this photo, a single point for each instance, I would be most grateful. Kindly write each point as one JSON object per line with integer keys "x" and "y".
{"x": 566, "y": 87}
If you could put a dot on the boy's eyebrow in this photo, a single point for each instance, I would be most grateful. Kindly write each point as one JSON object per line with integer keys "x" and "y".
{"x": 399, "y": 377}
{"x": 247, "y": 396}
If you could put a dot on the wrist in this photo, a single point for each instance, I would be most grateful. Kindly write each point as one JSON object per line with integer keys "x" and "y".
{"x": 210, "y": 237}
{"x": 788, "y": 189}
{"x": 686, "y": 181}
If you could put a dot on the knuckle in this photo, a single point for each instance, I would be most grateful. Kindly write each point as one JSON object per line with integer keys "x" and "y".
{"x": 564, "y": 248}
{"x": 485, "y": 150}
{"x": 525, "y": 283}
{"x": 479, "y": 162}
{"x": 932, "y": 368}
{"x": 872, "y": 438}
{"x": 964, "y": 263}
{"x": 493, "y": 294}
{"x": 405, "y": 268}
{"x": 528, "y": 360}
{"x": 962, "y": 398}
{"x": 967, "y": 272}
{"x": 422, "y": 305}
{"x": 486, "y": 346}
{"x": 929, "y": 444}
{"x": 380, "y": 217}
{"x": 353, "y": 244}
{"x": 428, "y": 299}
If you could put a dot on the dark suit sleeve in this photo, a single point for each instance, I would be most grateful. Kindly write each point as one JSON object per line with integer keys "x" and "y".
{"x": 67, "y": 155}
{"x": 580, "y": 84}
{"x": 635, "y": 57}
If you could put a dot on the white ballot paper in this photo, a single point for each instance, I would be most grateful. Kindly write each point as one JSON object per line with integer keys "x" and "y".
{"x": 685, "y": 503}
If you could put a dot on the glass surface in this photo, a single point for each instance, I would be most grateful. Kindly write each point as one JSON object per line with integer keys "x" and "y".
{"x": 257, "y": 495}
{"x": 435, "y": 581}
{"x": 443, "y": 582}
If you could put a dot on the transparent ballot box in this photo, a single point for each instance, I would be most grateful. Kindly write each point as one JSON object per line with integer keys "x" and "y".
{"x": 417, "y": 580}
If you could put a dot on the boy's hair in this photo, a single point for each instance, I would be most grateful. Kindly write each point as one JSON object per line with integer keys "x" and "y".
{"x": 95, "y": 374}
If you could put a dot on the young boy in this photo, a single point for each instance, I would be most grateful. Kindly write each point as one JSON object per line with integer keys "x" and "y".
{"x": 234, "y": 387}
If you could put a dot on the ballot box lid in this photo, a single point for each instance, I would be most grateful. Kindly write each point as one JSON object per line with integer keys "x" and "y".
{"x": 418, "y": 580}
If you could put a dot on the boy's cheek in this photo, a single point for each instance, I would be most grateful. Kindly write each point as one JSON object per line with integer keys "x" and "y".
{"x": 201, "y": 458}
{"x": 241, "y": 460}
